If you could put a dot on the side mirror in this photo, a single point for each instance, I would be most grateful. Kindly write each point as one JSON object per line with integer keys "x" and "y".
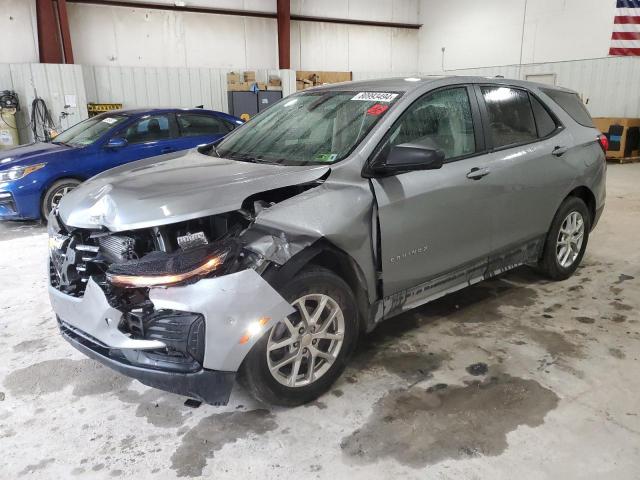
{"x": 116, "y": 142}
{"x": 408, "y": 157}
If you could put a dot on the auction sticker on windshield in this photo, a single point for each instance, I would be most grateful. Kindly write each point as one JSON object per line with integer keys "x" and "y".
{"x": 375, "y": 96}
{"x": 110, "y": 120}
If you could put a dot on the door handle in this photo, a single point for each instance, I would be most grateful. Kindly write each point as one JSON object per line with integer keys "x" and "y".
{"x": 477, "y": 173}
{"x": 559, "y": 151}
{"x": 167, "y": 150}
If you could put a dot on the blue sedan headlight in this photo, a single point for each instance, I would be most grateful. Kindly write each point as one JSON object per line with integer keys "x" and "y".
{"x": 16, "y": 173}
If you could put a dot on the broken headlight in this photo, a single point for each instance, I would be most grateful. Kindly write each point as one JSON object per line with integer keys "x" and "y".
{"x": 163, "y": 269}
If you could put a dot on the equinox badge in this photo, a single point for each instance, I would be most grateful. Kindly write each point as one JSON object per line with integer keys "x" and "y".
{"x": 410, "y": 253}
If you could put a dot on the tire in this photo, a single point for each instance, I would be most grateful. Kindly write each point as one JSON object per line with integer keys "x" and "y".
{"x": 552, "y": 263}
{"x": 54, "y": 193}
{"x": 312, "y": 285}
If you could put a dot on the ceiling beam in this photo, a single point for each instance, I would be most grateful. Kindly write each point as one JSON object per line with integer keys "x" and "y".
{"x": 245, "y": 13}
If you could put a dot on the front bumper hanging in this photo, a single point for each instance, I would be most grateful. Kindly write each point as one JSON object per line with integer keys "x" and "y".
{"x": 228, "y": 305}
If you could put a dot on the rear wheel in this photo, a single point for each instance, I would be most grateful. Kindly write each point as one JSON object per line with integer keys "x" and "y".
{"x": 567, "y": 240}
{"x": 54, "y": 194}
{"x": 302, "y": 355}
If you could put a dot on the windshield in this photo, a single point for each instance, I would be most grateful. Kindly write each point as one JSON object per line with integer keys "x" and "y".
{"x": 311, "y": 128}
{"x": 88, "y": 131}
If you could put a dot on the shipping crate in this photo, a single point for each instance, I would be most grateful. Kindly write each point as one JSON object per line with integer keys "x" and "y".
{"x": 623, "y": 135}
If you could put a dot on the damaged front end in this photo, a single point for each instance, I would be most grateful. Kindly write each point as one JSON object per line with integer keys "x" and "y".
{"x": 177, "y": 306}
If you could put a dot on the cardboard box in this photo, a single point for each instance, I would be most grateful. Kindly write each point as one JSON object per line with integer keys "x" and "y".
{"x": 238, "y": 87}
{"x": 249, "y": 76}
{"x": 274, "y": 80}
{"x": 274, "y": 87}
{"x": 623, "y": 135}
{"x": 321, "y": 77}
{"x": 233, "y": 77}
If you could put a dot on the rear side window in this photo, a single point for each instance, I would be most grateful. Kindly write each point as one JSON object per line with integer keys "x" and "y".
{"x": 511, "y": 119}
{"x": 192, "y": 125}
{"x": 544, "y": 121}
{"x": 150, "y": 129}
{"x": 571, "y": 103}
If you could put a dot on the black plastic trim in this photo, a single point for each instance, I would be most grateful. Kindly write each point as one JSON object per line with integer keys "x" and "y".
{"x": 210, "y": 386}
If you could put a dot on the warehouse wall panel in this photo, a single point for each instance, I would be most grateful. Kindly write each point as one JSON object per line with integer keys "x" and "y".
{"x": 138, "y": 87}
{"x": 476, "y": 34}
{"x": 117, "y": 36}
{"x": 609, "y": 86}
{"x": 55, "y": 84}
{"x": 19, "y": 32}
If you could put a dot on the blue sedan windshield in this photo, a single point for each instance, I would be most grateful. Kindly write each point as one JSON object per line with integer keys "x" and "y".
{"x": 88, "y": 131}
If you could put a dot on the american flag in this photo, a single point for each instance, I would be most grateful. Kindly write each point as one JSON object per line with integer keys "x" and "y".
{"x": 625, "y": 38}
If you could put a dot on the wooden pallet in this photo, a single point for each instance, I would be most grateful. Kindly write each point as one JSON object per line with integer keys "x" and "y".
{"x": 623, "y": 159}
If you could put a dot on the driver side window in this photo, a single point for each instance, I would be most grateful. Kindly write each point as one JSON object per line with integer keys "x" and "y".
{"x": 440, "y": 120}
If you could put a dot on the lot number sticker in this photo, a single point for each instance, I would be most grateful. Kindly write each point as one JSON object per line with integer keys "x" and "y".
{"x": 375, "y": 96}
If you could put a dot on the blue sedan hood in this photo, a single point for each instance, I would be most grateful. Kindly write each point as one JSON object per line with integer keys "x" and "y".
{"x": 30, "y": 154}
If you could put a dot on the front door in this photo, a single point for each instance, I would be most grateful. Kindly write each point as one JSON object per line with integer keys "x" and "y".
{"x": 434, "y": 222}
{"x": 151, "y": 135}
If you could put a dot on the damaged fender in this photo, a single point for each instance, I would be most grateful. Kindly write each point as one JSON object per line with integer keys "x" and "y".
{"x": 345, "y": 219}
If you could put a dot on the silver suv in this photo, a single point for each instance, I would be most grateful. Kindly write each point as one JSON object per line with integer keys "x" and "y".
{"x": 267, "y": 255}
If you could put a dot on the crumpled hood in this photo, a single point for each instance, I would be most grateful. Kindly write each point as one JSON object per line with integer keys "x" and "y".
{"x": 29, "y": 154}
{"x": 173, "y": 188}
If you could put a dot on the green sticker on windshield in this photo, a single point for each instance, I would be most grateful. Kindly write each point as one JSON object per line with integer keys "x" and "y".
{"x": 326, "y": 157}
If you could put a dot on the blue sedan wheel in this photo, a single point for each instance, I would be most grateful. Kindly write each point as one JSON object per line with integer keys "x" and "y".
{"x": 55, "y": 193}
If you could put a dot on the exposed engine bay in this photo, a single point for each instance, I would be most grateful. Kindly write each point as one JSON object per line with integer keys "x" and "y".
{"x": 127, "y": 265}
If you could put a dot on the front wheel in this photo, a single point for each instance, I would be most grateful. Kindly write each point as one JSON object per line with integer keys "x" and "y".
{"x": 54, "y": 194}
{"x": 301, "y": 356}
{"x": 566, "y": 240}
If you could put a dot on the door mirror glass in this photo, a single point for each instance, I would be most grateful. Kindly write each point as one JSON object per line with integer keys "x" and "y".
{"x": 116, "y": 142}
{"x": 411, "y": 156}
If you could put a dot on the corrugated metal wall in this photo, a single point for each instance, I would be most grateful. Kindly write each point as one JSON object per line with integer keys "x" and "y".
{"x": 168, "y": 87}
{"x": 49, "y": 82}
{"x": 609, "y": 86}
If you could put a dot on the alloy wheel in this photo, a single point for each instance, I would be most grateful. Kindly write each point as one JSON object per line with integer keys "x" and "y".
{"x": 569, "y": 241}
{"x": 302, "y": 347}
{"x": 58, "y": 194}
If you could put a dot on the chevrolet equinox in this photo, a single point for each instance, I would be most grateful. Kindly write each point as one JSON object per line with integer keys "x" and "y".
{"x": 266, "y": 255}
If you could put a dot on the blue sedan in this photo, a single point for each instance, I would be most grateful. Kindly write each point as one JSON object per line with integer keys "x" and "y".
{"x": 33, "y": 178}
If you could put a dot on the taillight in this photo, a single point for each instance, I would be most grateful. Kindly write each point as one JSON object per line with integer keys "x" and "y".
{"x": 604, "y": 142}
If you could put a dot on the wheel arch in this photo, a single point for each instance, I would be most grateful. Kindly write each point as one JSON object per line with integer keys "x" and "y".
{"x": 587, "y": 196}
{"x": 52, "y": 180}
{"x": 323, "y": 253}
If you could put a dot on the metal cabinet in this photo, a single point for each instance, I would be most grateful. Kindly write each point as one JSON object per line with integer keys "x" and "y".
{"x": 249, "y": 103}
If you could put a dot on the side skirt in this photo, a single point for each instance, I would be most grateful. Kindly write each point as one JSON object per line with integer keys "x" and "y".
{"x": 470, "y": 274}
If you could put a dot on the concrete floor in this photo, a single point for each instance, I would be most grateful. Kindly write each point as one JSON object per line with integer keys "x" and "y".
{"x": 559, "y": 400}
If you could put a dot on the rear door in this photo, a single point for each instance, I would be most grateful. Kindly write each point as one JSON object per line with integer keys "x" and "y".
{"x": 148, "y": 136}
{"x": 200, "y": 128}
{"x": 528, "y": 175}
{"x": 435, "y": 221}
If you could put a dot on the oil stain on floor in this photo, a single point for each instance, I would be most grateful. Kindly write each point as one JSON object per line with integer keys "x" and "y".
{"x": 417, "y": 427}
{"x": 214, "y": 432}
{"x": 86, "y": 376}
